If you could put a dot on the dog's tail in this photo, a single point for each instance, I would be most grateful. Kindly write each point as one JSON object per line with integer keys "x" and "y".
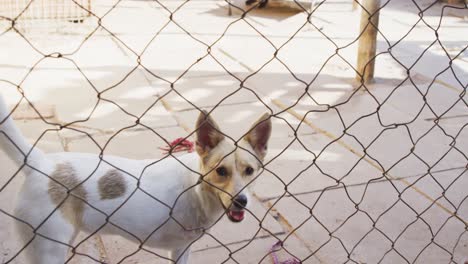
{"x": 12, "y": 141}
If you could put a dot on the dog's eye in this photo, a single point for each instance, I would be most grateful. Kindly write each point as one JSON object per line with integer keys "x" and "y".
{"x": 222, "y": 171}
{"x": 249, "y": 170}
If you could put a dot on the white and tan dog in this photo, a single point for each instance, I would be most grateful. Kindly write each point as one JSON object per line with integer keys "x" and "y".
{"x": 165, "y": 204}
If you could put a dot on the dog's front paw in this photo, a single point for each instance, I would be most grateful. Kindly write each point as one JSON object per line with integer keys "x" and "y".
{"x": 249, "y": 2}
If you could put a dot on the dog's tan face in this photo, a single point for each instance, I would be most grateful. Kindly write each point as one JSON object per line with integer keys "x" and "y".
{"x": 228, "y": 170}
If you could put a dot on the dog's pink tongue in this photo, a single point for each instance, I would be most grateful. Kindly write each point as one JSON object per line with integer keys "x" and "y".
{"x": 238, "y": 215}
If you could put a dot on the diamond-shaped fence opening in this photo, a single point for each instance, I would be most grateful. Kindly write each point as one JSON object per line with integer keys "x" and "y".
{"x": 366, "y": 160}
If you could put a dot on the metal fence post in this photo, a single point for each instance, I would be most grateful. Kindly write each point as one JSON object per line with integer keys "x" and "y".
{"x": 368, "y": 40}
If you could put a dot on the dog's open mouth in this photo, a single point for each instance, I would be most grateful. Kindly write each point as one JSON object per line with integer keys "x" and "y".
{"x": 235, "y": 215}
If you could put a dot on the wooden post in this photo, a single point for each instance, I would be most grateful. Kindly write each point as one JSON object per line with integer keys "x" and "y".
{"x": 355, "y": 5}
{"x": 368, "y": 40}
{"x": 455, "y": 2}
{"x": 229, "y": 2}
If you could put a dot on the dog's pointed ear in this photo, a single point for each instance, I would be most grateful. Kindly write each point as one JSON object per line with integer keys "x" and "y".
{"x": 208, "y": 134}
{"x": 259, "y": 134}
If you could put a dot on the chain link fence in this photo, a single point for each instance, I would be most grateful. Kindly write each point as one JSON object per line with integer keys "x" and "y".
{"x": 359, "y": 171}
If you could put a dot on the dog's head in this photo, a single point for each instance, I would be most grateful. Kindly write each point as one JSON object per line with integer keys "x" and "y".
{"x": 226, "y": 168}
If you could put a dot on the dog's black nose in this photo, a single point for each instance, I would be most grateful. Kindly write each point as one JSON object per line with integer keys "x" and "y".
{"x": 240, "y": 201}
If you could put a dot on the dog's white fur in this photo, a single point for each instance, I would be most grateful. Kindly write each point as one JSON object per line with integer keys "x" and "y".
{"x": 197, "y": 204}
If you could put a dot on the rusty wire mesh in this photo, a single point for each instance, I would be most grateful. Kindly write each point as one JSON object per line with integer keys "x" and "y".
{"x": 44, "y": 9}
{"x": 451, "y": 253}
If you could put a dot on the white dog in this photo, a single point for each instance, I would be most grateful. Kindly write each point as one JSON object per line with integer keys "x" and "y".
{"x": 166, "y": 204}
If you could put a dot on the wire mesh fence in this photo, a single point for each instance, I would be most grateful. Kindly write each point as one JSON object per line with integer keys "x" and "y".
{"x": 32, "y": 14}
{"x": 355, "y": 172}
{"x": 45, "y": 9}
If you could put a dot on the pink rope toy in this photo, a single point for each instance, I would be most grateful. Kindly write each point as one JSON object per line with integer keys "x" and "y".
{"x": 277, "y": 246}
{"x": 181, "y": 144}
